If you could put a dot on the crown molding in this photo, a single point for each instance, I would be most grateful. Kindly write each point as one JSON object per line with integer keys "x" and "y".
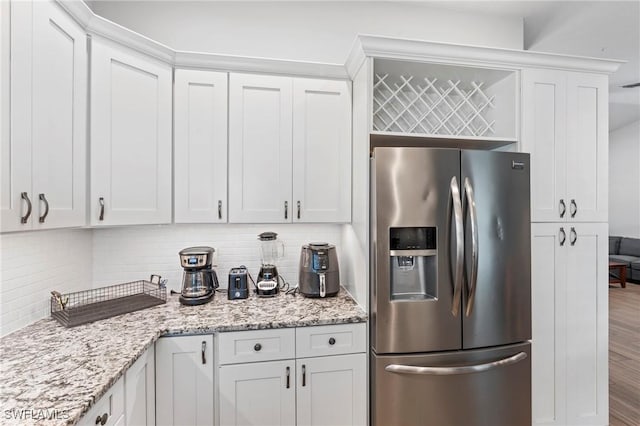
{"x": 426, "y": 51}
{"x": 97, "y": 25}
{"x": 364, "y": 46}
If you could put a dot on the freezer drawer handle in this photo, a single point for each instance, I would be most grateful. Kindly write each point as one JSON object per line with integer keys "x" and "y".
{"x": 446, "y": 371}
{"x": 457, "y": 210}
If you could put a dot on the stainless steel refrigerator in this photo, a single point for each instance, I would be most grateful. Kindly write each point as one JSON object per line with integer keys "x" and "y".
{"x": 450, "y": 287}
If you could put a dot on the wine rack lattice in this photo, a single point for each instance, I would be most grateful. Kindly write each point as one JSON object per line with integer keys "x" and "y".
{"x": 412, "y": 105}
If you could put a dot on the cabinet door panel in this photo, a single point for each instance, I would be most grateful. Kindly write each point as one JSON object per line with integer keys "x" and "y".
{"x": 15, "y": 157}
{"x": 334, "y": 390}
{"x": 184, "y": 383}
{"x": 260, "y": 114}
{"x": 321, "y": 150}
{"x": 257, "y": 394}
{"x": 587, "y": 325}
{"x": 548, "y": 323}
{"x": 544, "y": 137}
{"x": 200, "y": 154}
{"x": 587, "y": 146}
{"x": 140, "y": 391}
{"x": 130, "y": 137}
{"x": 59, "y": 117}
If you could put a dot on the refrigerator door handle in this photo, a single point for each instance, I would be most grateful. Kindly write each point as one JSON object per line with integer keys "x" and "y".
{"x": 473, "y": 278}
{"x": 447, "y": 371}
{"x": 457, "y": 211}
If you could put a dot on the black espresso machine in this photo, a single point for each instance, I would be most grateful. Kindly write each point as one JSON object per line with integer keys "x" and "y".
{"x": 199, "y": 280}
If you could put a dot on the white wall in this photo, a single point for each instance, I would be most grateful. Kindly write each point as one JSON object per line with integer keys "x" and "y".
{"x": 133, "y": 253}
{"x": 34, "y": 263}
{"x": 624, "y": 181}
{"x": 307, "y": 31}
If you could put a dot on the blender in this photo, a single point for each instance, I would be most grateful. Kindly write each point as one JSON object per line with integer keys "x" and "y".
{"x": 271, "y": 250}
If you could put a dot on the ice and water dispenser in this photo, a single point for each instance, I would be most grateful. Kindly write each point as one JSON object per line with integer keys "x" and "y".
{"x": 414, "y": 263}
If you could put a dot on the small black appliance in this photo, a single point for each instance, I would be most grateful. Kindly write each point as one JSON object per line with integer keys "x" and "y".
{"x": 238, "y": 286}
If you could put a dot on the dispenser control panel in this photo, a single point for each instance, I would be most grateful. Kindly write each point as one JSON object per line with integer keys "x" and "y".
{"x": 415, "y": 238}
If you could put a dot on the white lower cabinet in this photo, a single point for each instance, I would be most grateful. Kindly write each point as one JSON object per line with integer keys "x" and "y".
{"x": 261, "y": 393}
{"x": 140, "y": 391}
{"x": 331, "y": 390}
{"x": 109, "y": 409}
{"x": 184, "y": 380}
{"x": 327, "y": 389}
{"x": 569, "y": 323}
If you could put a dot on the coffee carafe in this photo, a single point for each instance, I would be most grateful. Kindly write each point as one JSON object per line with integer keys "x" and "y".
{"x": 271, "y": 250}
{"x": 199, "y": 280}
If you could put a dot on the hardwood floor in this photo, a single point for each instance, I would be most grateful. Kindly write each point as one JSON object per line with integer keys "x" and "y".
{"x": 624, "y": 355}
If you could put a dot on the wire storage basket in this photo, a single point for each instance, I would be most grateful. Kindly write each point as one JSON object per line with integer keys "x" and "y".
{"x": 82, "y": 307}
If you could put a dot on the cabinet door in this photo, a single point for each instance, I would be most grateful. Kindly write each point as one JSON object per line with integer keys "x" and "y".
{"x": 140, "y": 391}
{"x": 58, "y": 118}
{"x": 321, "y": 150}
{"x": 184, "y": 380}
{"x": 200, "y": 153}
{"x": 260, "y": 114}
{"x": 15, "y": 157}
{"x": 587, "y": 147}
{"x": 260, "y": 394}
{"x": 544, "y": 137}
{"x": 549, "y": 243}
{"x": 332, "y": 390}
{"x": 130, "y": 137}
{"x": 587, "y": 314}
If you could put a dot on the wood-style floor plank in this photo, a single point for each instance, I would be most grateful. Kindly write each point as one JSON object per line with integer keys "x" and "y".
{"x": 624, "y": 355}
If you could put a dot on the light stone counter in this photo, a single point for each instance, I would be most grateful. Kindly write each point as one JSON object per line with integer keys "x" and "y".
{"x": 47, "y": 370}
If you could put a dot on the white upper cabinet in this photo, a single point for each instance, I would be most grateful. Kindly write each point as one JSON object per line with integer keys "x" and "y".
{"x": 259, "y": 148}
{"x": 289, "y": 149}
{"x": 200, "y": 146}
{"x": 564, "y": 127}
{"x": 44, "y": 155}
{"x": 130, "y": 137}
{"x": 321, "y": 150}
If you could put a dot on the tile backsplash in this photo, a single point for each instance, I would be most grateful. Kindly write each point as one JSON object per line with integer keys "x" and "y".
{"x": 133, "y": 253}
{"x": 34, "y": 263}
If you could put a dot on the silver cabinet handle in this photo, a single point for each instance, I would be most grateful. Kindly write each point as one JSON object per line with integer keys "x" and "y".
{"x": 204, "y": 348}
{"x": 101, "y": 201}
{"x": 574, "y": 236}
{"x": 304, "y": 375}
{"x": 298, "y": 209}
{"x": 563, "y": 209}
{"x": 25, "y": 197}
{"x": 473, "y": 279}
{"x": 574, "y": 208}
{"x": 288, "y": 377}
{"x": 563, "y": 236}
{"x": 457, "y": 210}
{"x": 447, "y": 371}
{"x": 220, "y": 209}
{"x": 286, "y": 209}
{"x": 46, "y": 208}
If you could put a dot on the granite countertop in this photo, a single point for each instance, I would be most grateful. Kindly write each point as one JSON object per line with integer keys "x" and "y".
{"x": 47, "y": 370}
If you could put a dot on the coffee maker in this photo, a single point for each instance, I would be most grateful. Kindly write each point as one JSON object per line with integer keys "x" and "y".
{"x": 199, "y": 280}
{"x": 271, "y": 250}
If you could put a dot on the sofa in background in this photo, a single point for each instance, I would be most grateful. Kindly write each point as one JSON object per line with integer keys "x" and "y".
{"x": 626, "y": 250}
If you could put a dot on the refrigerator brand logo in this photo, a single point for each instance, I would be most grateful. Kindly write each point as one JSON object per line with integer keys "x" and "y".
{"x": 36, "y": 414}
{"x": 517, "y": 165}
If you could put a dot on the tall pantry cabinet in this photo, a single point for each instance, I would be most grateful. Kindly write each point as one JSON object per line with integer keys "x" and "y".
{"x": 44, "y": 140}
{"x": 565, "y": 129}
